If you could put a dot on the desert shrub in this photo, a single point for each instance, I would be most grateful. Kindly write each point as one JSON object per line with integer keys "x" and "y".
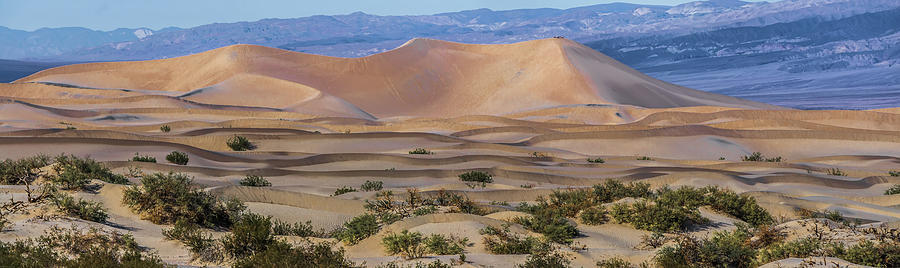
{"x": 255, "y": 181}
{"x": 178, "y": 158}
{"x": 657, "y": 217}
{"x": 458, "y": 202}
{"x": 479, "y": 177}
{"x": 307, "y": 255}
{"x": 249, "y": 235}
{"x": 407, "y": 244}
{"x": 165, "y": 128}
{"x": 596, "y": 160}
{"x": 420, "y": 151}
{"x": 143, "y": 158}
{"x": 201, "y": 245}
{"x": 83, "y": 209}
{"x": 370, "y": 186}
{"x": 644, "y": 158}
{"x": 724, "y": 249}
{"x": 343, "y": 190}
{"x": 296, "y": 229}
{"x": 167, "y": 198}
{"x": 894, "y": 173}
{"x": 742, "y": 207}
{"x": 554, "y": 227}
{"x": 614, "y": 263}
{"x": 835, "y": 172}
{"x": 22, "y": 171}
{"x": 893, "y": 190}
{"x": 357, "y": 229}
{"x": 60, "y": 247}
{"x": 546, "y": 257}
{"x": 75, "y": 172}
{"x": 882, "y": 254}
{"x": 502, "y": 241}
{"x": 439, "y": 244}
{"x": 759, "y": 157}
{"x": 799, "y": 248}
{"x": 594, "y": 216}
{"x": 239, "y": 143}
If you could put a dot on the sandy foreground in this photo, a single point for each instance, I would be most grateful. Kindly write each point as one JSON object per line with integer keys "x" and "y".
{"x": 314, "y": 135}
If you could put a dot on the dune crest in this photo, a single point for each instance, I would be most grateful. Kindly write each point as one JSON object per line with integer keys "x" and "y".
{"x": 423, "y": 77}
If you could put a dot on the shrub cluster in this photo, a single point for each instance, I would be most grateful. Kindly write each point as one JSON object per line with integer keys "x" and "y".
{"x": 546, "y": 257}
{"x": 254, "y": 181}
{"x": 477, "y": 177}
{"x": 83, "y": 209}
{"x": 143, "y": 158}
{"x": 420, "y": 151}
{"x": 893, "y": 190}
{"x": 165, "y": 128}
{"x": 60, "y": 247}
{"x": 178, "y": 158}
{"x": 596, "y": 160}
{"x": 835, "y": 172}
{"x": 894, "y": 173}
{"x": 594, "y": 216}
{"x": 357, "y": 229}
{"x": 644, "y": 158}
{"x": 22, "y": 171}
{"x": 759, "y": 157}
{"x": 554, "y": 227}
{"x": 296, "y": 229}
{"x": 239, "y": 143}
{"x": 343, "y": 190}
{"x": 168, "y": 198}
{"x": 74, "y": 172}
{"x": 370, "y": 186}
{"x": 502, "y": 241}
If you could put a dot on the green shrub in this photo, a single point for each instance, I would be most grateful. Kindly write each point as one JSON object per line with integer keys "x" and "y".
{"x": 143, "y": 158}
{"x": 553, "y": 226}
{"x": 644, "y": 158}
{"x": 594, "y": 216}
{"x": 178, "y": 158}
{"x": 165, "y": 128}
{"x": 893, "y": 190}
{"x": 202, "y": 246}
{"x": 883, "y": 254}
{"x": 357, "y": 229}
{"x": 596, "y": 160}
{"x": 546, "y": 257}
{"x": 657, "y": 217}
{"x": 343, "y": 190}
{"x": 724, "y": 249}
{"x": 239, "y": 143}
{"x": 75, "y": 172}
{"x": 295, "y": 229}
{"x": 22, "y": 171}
{"x": 83, "y": 209}
{"x": 254, "y": 181}
{"x": 420, "y": 151}
{"x": 60, "y": 247}
{"x": 477, "y": 177}
{"x": 759, "y": 157}
{"x": 407, "y": 244}
{"x": 614, "y": 263}
{"x": 168, "y": 198}
{"x": 835, "y": 172}
{"x": 249, "y": 235}
{"x": 308, "y": 255}
{"x": 371, "y": 186}
{"x": 502, "y": 241}
{"x": 439, "y": 244}
{"x": 800, "y": 248}
{"x": 894, "y": 173}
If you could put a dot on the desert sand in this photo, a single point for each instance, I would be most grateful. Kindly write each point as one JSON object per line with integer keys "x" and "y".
{"x": 528, "y": 113}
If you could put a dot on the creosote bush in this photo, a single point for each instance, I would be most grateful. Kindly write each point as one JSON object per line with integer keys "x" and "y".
{"x": 835, "y": 172}
{"x": 594, "y": 216}
{"x": 894, "y": 173}
{"x": 371, "y": 186}
{"x": 255, "y": 181}
{"x": 499, "y": 240}
{"x": 143, "y": 158}
{"x": 596, "y": 160}
{"x": 893, "y": 190}
{"x": 477, "y": 177}
{"x": 75, "y": 172}
{"x": 644, "y": 158}
{"x": 420, "y": 151}
{"x": 168, "y": 198}
{"x": 546, "y": 256}
{"x": 83, "y": 209}
{"x": 165, "y": 128}
{"x": 72, "y": 247}
{"x": 178, "y": 158}
{"x": 343, "y": 190}
{"x": 357, "y": 229}
{"x": 407, "y": 244}
{"x": 239, "y": 143}
{"x": 759, "y": 157}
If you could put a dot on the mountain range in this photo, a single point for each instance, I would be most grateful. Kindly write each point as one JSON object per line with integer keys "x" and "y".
{"x": 775, "y": 52}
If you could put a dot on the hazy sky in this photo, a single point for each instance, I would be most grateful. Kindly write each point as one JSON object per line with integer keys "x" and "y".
{"x": 155, "y": 14}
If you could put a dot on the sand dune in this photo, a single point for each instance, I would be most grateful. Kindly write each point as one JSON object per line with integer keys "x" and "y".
{"x": 530, "y": 114}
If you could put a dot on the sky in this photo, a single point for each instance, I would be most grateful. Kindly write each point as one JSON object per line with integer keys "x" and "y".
{"x": 155, "y": 14}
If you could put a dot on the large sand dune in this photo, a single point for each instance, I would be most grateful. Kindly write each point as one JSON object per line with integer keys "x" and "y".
{"x": 529, "y": 113}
